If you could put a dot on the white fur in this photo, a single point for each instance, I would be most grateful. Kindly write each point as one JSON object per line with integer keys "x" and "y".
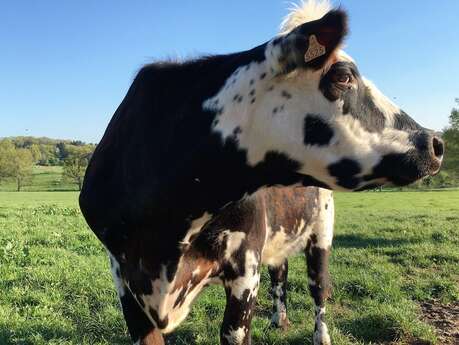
{"x": 249, "y": 280}
{"x": 236, "y": 336}
{"x": 119, "y": 283}
{"x": 305, "y": 11}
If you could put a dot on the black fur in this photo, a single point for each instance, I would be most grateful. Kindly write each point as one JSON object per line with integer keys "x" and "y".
{"x": 316, "y": 131}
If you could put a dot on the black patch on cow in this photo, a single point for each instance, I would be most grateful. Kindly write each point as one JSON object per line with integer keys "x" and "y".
{"x": 236, "y": 131}
{"x": 279, "y": 275}
{"x": 253, "y": 100}
{"x": 316, "y": 131}
{"x": 160, "y": 323}
{"x": 251, "y": 82}
{"x": 238, "y": 98}
{"x": 275, "y": 110}
{"x": 357, "y": 98}
{"x": 317, "y": 261}
{"x": 252, "y": 92}
{"x": 262, "y": 76}
{"x": 286, "y": 94}
{"x": 402, "y": 168}
{"x": 139, "y": 325}
{"x": 345, "y": 171}
{"x": 311, "y": 181}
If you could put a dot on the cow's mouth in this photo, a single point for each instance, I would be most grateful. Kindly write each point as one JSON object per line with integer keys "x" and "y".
{"x": 401, "y": 169}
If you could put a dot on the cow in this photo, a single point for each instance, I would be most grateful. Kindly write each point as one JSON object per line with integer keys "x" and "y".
{"x": 211, "y": 167}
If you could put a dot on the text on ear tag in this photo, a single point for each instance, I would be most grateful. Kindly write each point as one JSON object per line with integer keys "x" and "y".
{"x": 315, "y": 49}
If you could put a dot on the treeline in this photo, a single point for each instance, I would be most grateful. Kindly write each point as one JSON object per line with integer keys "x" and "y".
{"x": 46, "y": 151}
{"x": 18, "y": 155}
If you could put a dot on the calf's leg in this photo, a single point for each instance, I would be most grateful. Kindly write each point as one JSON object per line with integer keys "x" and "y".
{"x": 319, "y": 286}
{"x": 317, "y": 256}
{"x": 279, "y": 294}
{"x": 241, "y": 294}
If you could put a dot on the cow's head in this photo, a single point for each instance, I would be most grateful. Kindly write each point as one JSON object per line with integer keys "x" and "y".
{"x": 308, "y": 101}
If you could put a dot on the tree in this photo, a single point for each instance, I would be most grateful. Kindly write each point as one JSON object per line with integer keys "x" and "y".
{"x": 454, "y": 117}
{"x": 451, "y": 138}
{"x": 22, "y": 167}
{"x": 7, "y": 150}
{"x": 15, "y": 163}
{"x": 36, "y": 153}
{"x": 76, "y": 163}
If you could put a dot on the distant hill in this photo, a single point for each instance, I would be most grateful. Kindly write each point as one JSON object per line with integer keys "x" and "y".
{"x": 47, "y": 151}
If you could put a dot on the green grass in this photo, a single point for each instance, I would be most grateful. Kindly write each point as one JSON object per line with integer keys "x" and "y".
{"x": 44, "y": 178}
{"x": 391, "y": 250}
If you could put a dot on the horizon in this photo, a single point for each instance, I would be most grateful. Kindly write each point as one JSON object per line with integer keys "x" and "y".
{"x": 67, "y": 67}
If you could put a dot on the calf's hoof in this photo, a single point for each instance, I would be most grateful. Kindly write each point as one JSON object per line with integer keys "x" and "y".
{"x": 280, "y": 320}
{"x": 321, "y": 336}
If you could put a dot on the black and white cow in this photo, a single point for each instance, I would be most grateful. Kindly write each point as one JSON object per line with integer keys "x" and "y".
{"x": 177, "y": 188}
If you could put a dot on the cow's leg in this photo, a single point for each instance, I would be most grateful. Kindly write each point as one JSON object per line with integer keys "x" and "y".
{"x": 241, "y": 293}
{"x": 141, "y": 329}
{"x": 317, "y": 255}
{"x": 279, "y": 294}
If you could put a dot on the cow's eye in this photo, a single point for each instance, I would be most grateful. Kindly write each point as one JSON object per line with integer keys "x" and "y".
{"x": 343, "y": 78}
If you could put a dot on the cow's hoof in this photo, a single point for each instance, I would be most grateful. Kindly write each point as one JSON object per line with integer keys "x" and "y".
{"x": 321, "y": 336}
{"x": 280, "y": 321}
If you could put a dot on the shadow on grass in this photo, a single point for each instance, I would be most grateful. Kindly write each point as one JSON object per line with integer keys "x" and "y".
{"x": 188, "y": 337}
{"x": 373, "y": 328}
{"x": 356, "y": 241}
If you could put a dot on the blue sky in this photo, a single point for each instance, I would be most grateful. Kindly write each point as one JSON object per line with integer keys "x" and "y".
{"x": 66, "y": 65}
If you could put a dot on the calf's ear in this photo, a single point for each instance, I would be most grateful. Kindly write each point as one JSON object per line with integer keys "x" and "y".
{"x": 311, "y": 44}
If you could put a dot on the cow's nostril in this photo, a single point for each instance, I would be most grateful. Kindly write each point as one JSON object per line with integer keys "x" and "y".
{"x": 438, "y": 147}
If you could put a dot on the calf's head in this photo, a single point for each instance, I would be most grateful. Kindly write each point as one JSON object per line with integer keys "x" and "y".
{"x": 307, "y": 100}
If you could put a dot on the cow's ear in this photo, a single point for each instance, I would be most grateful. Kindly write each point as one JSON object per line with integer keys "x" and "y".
{"x": 311, "y": 44}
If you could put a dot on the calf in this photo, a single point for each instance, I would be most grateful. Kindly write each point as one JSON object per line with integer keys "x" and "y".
{"x": 176, "y": 188}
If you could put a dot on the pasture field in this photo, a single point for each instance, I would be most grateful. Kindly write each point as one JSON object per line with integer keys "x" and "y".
{"x": 44, "y": 178}
{"x": 392, "y": 251}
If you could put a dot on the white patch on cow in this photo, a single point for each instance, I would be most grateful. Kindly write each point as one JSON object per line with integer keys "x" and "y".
{"x": 324, "y": 220}
{"x": 250, "y": 279}
{"x": 281, "y": 245}
{"x": 116, "y": 275}
{"x": 321, "y": 335}
{"x": 195, "y": 228}
{"x": 236, "y": 336}
{"x": 233, "y": 241}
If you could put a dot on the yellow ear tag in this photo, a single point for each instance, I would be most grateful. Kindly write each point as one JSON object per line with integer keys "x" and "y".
{"x": 315, "y": 49}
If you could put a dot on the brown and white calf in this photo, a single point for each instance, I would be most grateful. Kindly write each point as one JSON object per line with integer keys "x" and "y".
{"x": 178, "y": 188}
